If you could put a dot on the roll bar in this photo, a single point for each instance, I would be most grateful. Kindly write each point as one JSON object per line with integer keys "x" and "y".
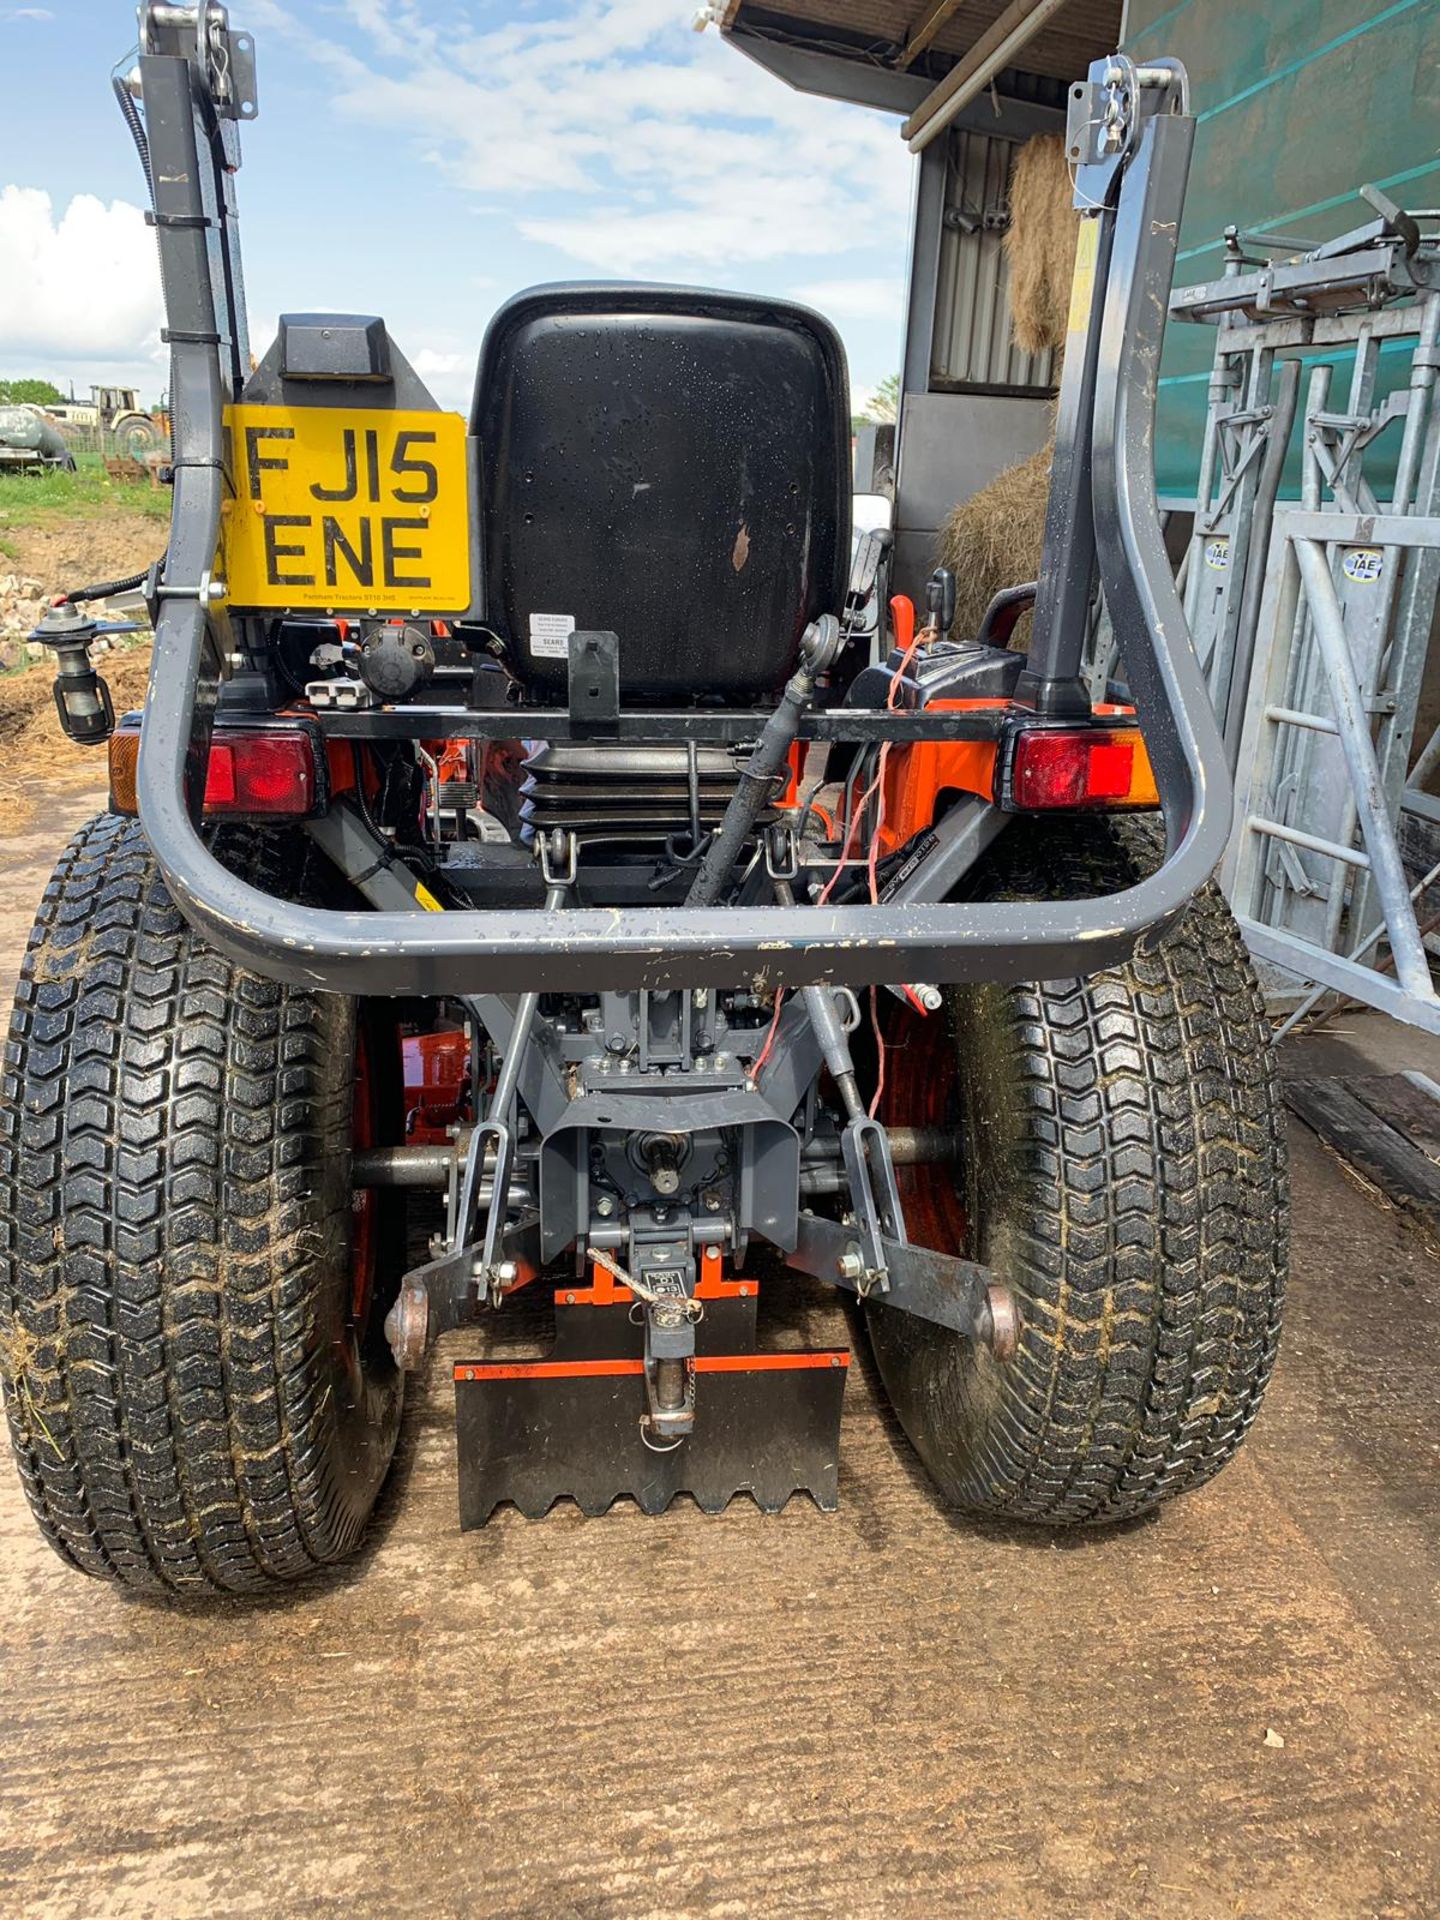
{"x": 1133, "y": 136}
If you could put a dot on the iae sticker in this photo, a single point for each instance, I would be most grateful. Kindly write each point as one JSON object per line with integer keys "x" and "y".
{"x": 1363, "y": 564}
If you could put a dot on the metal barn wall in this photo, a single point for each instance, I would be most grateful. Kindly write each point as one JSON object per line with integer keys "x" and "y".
{"x": 972, "y": 403}
{"x": 1299, "y": 103}
{"x": 972, "y": 346}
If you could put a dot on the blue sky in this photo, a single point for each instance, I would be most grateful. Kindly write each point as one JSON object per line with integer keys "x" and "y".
{"x": 426, "y": 158}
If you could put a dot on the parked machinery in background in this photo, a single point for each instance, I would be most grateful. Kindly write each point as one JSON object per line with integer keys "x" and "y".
{"x": 30, "y": 442}
{"x": 113, "y": 421}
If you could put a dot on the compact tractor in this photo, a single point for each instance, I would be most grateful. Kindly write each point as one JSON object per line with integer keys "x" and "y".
{"x": 544, "y": 831}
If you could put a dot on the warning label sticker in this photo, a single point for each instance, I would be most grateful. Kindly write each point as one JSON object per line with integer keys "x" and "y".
{"x": 550, "y": 635}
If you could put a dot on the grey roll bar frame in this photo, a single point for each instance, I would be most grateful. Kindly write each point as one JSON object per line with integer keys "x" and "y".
{"x": 1136, "y": 139}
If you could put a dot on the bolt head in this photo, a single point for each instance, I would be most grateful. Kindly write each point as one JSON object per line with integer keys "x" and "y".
{"x": 407, "y": 1327}
{"x": 1004, "y": 1322}
{"x": 850, "y": 1265}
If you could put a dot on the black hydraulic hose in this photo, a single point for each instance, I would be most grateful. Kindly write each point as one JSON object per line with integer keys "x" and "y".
{"x": 131, "y": 115}
{"x": 105, "y": 589}
{"x": 754, "y": 788}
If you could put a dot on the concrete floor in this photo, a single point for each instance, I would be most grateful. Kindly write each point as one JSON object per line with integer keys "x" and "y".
{"x": 885, "y": 1711}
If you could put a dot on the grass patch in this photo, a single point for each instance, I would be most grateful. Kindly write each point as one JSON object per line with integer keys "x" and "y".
{"x": 52, "y": 498}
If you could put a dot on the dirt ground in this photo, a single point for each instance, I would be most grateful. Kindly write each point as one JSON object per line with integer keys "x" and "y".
{"x": 888, "y": 1711}
{"x": 37, "y": 763}
{"x": 70, "y": 553}
{"x": 42, "y": 561}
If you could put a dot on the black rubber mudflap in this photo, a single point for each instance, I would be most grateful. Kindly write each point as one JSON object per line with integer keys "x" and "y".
{"x": 537, "y": 1431}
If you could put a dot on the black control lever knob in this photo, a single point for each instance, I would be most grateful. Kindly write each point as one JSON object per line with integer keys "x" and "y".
{"x": 940, "y": 599}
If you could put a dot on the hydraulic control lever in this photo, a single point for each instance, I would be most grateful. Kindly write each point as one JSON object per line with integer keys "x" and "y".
{"x": 940, "y": 600}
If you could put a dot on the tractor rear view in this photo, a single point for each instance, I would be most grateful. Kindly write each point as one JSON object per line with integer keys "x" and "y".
{"x": 541, "y": 817}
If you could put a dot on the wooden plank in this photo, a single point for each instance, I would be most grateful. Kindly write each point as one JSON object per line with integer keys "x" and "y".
{"x": 926, "y": 28}
{"x": 1370, "y": 1144}
{"x": 1396, "y": 1099}
{"x": 1019, "y": 23}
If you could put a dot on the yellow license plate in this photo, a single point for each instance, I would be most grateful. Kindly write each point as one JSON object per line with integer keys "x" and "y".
{"x": 347, "y": 510}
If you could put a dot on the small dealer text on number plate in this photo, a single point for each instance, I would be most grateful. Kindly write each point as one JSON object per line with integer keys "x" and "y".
{"x": 347, "y": 510}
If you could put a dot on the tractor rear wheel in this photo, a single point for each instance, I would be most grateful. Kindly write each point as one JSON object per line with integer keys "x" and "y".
{"x": 137, "y": 436}
{"x": 1123, "y": 1170}
{"x": 199, "y": 1391}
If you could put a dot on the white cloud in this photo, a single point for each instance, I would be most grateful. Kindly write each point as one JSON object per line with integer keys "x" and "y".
{"x": 672, "y": 154}
{"x": 428, "y": 361}
{"x": 27, "y": 13}
{"x": 85, "y": 287}
{"x": 450, "y": 376}
{"x": 855, "y": 299}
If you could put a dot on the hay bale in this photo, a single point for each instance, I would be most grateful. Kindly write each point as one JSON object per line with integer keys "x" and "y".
{"x": 1040, "y": 243}
{"x": 994, "y": 540}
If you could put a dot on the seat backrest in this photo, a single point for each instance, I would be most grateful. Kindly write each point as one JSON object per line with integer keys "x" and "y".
{"x": 671, "y": 464}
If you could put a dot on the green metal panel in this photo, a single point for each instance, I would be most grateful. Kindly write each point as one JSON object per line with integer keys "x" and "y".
{"x": 1299, "y": 103}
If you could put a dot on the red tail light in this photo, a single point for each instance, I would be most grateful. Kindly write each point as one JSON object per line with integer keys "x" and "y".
{"x": 1083, "y": 767}
{"x": 261, "y": 773}
{"x": 270, "y": 772}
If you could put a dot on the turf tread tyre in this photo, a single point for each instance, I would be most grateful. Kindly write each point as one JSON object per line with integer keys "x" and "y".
{"x": 1126, "y": 1171}
{"x": 188, "y": 1408}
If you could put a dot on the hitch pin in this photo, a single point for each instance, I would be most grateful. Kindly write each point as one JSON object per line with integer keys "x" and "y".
{"x": 917, "y": 994}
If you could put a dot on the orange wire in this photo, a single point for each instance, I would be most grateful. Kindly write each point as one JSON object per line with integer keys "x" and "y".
{"x": 876, "y": 787}
{"x": 925, "y": 633}
{"x": 764, "y": 1053}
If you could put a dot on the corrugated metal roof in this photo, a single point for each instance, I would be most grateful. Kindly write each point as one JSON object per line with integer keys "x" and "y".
{"x": 1063, "y": 49}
